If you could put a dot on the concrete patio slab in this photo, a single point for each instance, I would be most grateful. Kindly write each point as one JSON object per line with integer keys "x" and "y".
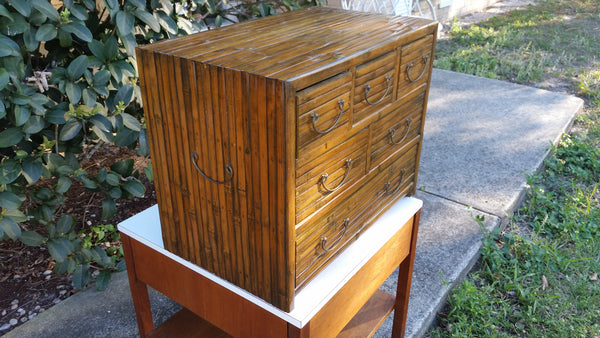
{"x": 481, "y": 138}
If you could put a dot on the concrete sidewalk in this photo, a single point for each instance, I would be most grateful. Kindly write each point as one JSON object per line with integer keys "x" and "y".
{"x": 482, "y": 137}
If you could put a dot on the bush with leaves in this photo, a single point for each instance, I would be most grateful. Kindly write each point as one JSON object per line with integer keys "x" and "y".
{"x": 68, "y": 85}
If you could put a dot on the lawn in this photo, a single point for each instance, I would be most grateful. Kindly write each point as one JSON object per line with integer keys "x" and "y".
{"x": 538, "y": 277}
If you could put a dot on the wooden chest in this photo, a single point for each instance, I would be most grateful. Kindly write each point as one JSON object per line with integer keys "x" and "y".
{"x": 276, "y": 141}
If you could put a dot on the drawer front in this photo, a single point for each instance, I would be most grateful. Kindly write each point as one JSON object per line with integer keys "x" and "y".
{"x": 330, "y": 175}
{"x": 396, "y": 129}
{"x": 318, "y": 241}
{"x": 323, "y": 115}
{"x": 415, "y": 63}
{"x": 374, "y": 85}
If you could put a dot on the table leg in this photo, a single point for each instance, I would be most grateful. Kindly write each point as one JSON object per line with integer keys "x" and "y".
{"x": 139, "y": 290}
{"x": 404, "y": 282}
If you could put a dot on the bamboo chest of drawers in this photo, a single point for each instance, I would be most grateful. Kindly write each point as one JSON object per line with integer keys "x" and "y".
{"x": 276, "y": 141}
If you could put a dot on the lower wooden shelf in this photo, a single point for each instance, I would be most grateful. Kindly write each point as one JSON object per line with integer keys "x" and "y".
{"x": 343, "y": 300}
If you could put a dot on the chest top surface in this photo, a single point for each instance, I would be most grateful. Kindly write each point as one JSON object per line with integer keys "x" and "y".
{"x": 293, "y": 45}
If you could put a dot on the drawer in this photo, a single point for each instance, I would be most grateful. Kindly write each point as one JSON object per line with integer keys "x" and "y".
{"x": 415, "y": 63}
{"x": 331, "y": 174}
{"x": 374, "y": 85}
{"x": 320, "y": 240}
{"x": 323, "y": 113}
{"x": 396, "y": 129}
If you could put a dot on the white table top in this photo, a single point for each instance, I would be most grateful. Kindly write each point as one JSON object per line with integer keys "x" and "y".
{"x": 145, "y": 228}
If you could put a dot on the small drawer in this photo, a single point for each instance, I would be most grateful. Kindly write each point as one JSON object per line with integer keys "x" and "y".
{"x": 323, "y": 109}
{"x": 374, "y": 85}
{"x": 396, "y": 129}
{"x": 330, "y": 175}
{"x": 415, "y": 64}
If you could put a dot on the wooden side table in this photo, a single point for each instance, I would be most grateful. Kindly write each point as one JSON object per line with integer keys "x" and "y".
{"x": 343, "y": 300}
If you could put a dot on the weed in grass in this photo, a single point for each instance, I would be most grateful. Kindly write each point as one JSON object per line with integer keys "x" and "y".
{"x": 589, "y": 86}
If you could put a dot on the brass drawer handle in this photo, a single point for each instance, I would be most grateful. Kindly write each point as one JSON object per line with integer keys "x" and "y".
{"x": 395, "y": 190}
{"x": 388, "y": 80}
{"x": 324, "y": 247}
{"x": 315, "y": 118}
{"x": 324, "y": 177}
{"x": 228, "y": 170}
{"x": 409, "y": 67}
{"x": 392, "y": 132}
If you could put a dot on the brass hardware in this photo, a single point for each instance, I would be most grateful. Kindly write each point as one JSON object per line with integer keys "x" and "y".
{"x": 332, "y": 245}
{"x": 315, "y": 118}
{"x": 324, "y": 177}
{"x": 409, "y": 67}
{"x": 228, "y": 170}
{"x": 392, "y": 132}
{"x": 395, "y": 190}
{"x": 388, "y": 80}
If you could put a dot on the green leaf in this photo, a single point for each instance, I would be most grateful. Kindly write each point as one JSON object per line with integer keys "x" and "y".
{"x": 129, "y": 42}
{"x": 113, "y": 178}
{"x": 57, "y": 250}
{"x": 10, "y": 170}
{"x": 70, "y": 130}
{"x": 31, "y": 43}
{"x": 63, "y": 184}
{"x": 64, "y": 37}
{"x": 79, "y": 12}
{"x": 125, "y": 22}
{"x": 8, "y": 200}
{"x": 134, "y": 187}
{"x": 13, "y": 28}
{"x": 34, "y": 125}
{"x": 166, "y": 22}
{"x": 64, "y": 224}
{"x": 79, "y": 30}
{"x": 81, "y": 276}
{"x": 16, "y": 215}
{"x": 5, "y": 13}
{"x": 89, "y": 97}
{"x": 32, "y": 238}
{"x": 4, "y": 78}
{"x": 90, "y": 4}
{"x": 137, "y": 3}
{"x": 125, "y": 94}
{"x": 8, "y": 47}
{"x": 121, "y": 266}
{"x": 126, "y": 137}
{"x": 111, "y": 50}
{"x": 109, "y": 208}
{"x": 21, "y": 6}
{"x": 32, "y": 170}
{"x": 103, "y": 279}
{"x": 101, "y": 78}
{"x": 123, "y": 168}
{"x": 219, "y": 21}
{"x": 46, "y": 8}
{"x": 148, "y": 19}
{"x": 115, "y": 193}
{"x": 112, "y": 4}
{"x": 131, "y": 122}
{"x": 144, "y": 149}
{"x": 10, "y": 137}
{"x": 46, "y": 32}
{"x": 149, "y": 172}
{"x": 77, "y": 67}
{"x": 73, "y": 92}
{"x": 97, "y": 48}
{"x": 21, "y": 115}
{"x": 10, "y": 228}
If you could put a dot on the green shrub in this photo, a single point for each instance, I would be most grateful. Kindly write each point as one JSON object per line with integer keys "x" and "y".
{"x": 68, "y": 85}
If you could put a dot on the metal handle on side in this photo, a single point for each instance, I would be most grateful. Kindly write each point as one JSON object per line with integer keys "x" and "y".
{"x": 228, "y": 170}
{"x": 409, "y": 67}
{"x": 315, "y": 118}
{"x": 392, "y": 132}
{"x": 324, "y": 177}
{"x": 388, "y": 80}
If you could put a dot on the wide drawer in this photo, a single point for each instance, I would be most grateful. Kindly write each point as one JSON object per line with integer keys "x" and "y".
{"x": 331, "y": 174}
{"x": 374, "y": 85}
{"x": 415, "y": 63}
{"x": 396, "y": 129}
{"x": 321, "y": 239}
{"x": 323, "y": 115}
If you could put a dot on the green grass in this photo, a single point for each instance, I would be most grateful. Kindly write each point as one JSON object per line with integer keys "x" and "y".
{"x": 539, "y": 276}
